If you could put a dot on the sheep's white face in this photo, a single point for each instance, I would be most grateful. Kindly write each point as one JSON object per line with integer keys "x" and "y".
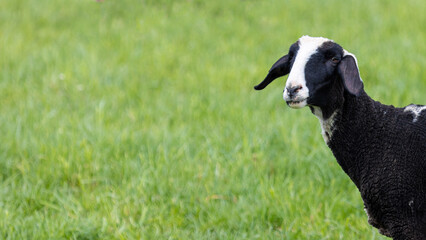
{"x": 296, "y": 92}
{"x": 315, "y": 66}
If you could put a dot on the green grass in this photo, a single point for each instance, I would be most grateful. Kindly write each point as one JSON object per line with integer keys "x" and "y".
{"x": 137, "y": 119}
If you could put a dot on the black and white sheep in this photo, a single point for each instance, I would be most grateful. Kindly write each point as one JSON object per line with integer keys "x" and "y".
{"x": 380, "y": 147}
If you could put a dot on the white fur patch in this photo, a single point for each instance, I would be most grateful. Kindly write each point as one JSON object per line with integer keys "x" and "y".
{"x": 327, "y": 125}
{"x": 307, "y": 46}
{"x": 416, "y": 110}
{"x": 368, "y": 215}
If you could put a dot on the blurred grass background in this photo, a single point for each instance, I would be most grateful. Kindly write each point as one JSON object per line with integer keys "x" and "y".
{"x": 137, "y": 119}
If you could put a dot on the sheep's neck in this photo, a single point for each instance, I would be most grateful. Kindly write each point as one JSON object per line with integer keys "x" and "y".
{"x": 346, "y": 129}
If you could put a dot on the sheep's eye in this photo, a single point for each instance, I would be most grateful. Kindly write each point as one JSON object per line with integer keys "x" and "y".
{"x": 335, "y": 60}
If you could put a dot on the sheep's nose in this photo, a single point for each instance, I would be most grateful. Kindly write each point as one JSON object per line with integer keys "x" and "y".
{"x": 293, "y": 90}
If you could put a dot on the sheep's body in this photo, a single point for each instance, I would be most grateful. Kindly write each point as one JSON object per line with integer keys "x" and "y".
{"x": 383, "y": 150}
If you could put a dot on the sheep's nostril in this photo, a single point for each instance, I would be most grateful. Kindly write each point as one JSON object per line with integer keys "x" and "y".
{"x": 293, "y": 90}
{"x": 298, "y": 88}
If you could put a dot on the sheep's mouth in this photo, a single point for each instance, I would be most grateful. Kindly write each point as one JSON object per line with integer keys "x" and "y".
{"x": 293, "y": 102}
{"x": 296, "y": 104}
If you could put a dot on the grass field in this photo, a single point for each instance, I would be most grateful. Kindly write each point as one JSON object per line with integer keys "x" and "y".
{"x": 138, "y": 119}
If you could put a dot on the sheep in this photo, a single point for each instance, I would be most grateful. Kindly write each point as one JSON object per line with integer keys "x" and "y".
{"x": 381, "y": 148}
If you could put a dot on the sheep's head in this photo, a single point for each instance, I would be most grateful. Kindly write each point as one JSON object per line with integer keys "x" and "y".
{"x": 314, "y": 65}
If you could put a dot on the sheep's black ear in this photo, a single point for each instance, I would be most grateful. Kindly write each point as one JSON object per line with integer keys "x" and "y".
{"x": 279, "y": 69}
{"x": 348, "y": 71}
